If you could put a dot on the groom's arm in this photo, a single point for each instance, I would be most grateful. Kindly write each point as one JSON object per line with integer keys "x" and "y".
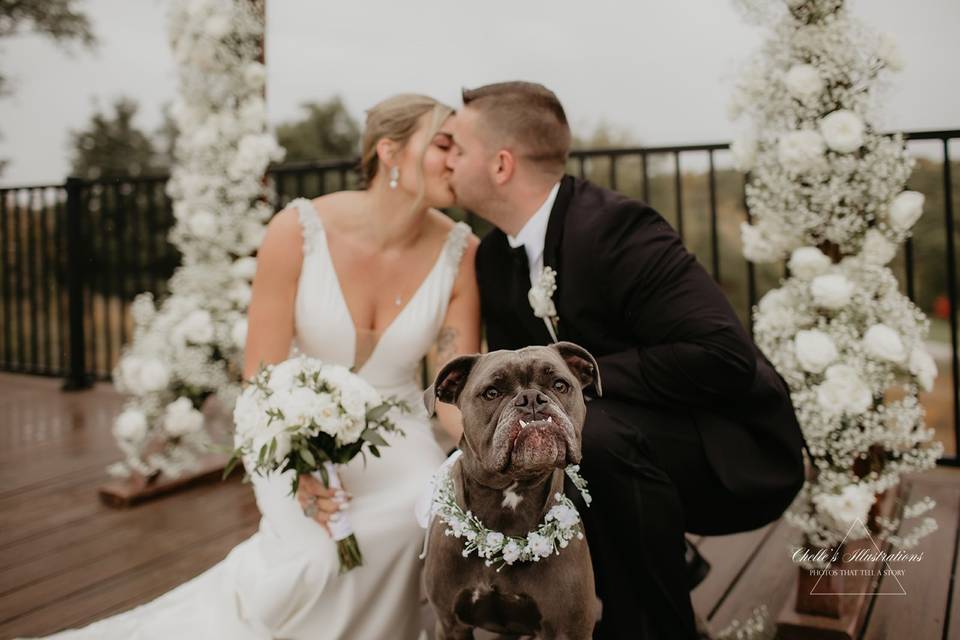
{"x": 690, "y": 346}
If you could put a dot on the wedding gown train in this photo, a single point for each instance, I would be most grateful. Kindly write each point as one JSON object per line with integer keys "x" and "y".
{"x": 283, "y": 582}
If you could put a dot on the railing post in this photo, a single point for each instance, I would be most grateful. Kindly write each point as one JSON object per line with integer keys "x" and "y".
{"x": 77, "y": 377}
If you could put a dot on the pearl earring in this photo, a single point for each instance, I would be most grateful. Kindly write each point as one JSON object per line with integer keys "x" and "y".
{"x": 394, "y": 177}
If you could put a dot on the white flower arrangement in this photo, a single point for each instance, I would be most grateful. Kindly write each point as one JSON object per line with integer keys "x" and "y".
{"x": 854, "y": 371}
{"x": 560, "y": 525}
{"x": 849, "y": 345}
{"x": 306, "y": 416}
{"x": 821, "y": 171}
{"x": 191, "y": 346}
{"x": 540, "y": 297}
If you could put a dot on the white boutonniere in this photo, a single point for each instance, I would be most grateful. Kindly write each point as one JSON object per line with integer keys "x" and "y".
{"x": 541, "y": 299}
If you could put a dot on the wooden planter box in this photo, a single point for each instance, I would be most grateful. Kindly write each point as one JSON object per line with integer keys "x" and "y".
{"x": 834, "y": 607}
{"x": 127, "y": 492}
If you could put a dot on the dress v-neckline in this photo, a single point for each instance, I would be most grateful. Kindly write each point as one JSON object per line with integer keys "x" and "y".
{"x": 343, "y": 299}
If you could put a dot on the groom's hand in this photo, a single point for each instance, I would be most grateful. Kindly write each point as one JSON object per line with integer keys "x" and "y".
{"x": 328, "y": 501}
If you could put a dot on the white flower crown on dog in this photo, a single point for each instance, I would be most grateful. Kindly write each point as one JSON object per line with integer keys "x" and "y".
{"x": 560, "y": 525}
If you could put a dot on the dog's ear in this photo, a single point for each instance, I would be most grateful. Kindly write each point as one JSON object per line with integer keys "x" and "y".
{"x": 581, "y": 363}
{"x": 449, "y": 382}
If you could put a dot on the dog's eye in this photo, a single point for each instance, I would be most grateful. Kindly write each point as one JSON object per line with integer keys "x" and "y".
{"x": 561, "y": 386}
{"x": 491, "y": 393}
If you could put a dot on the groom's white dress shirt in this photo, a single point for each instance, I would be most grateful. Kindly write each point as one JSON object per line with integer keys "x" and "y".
{"x": 533, "y": 235}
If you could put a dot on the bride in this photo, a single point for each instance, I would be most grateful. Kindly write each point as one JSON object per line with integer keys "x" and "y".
{"x": 370, "y": 279}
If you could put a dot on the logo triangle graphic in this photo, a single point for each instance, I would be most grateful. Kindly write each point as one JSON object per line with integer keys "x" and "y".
{"x": 888, "y": 590}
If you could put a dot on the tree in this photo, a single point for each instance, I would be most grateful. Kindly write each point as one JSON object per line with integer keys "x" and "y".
{"x": 327, "y": 132}
{"x": 58, "y": 19}
{"x": 112, "y": 146}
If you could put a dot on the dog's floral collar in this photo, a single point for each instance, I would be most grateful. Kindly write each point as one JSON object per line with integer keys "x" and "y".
{"x": 540, "y": 297}
{"x": 560, "y": 525}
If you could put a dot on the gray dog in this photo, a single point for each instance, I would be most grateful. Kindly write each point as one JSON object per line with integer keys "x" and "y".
{"x": 522, "y": 416}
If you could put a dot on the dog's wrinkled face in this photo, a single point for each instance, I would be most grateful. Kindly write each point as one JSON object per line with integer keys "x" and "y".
{"x": 522, "y": 410}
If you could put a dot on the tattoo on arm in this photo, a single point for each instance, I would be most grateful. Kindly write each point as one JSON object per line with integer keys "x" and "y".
{"x": 446, "y": 344}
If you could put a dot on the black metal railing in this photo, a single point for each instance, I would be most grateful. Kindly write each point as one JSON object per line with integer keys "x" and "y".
{"x": 73, "y": 256}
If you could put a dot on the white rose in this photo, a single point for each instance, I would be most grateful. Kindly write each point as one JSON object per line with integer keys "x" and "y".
{"x": 924, "y": 367}
{"x": 815, "y": 350}
{"x": 202, "y": 224}
{"x": 843, "y": 391}
{"x": 539, "y": 545}
{"x": 254, "y": 153}
{"x": 354, "y": 389}
{"x": 131, "y": 425}
{"x": 328, "y": 415}
{"x": 197, "y": 327}
{"x": 757, "y": 247}
{"x": 249, "y": 415}
{"x": 180, "y": 418}
{"x": 217, "y": 26}
{"x": 142, "y": 309}
{"x": 253, "y": 114}
{"x": 494, "y": 540}
{"x": 240, "y": 293}
{"x": 283, "y": 375}
{"x": 298, "y": 404}
{"x": 877, "y": 249}
{"x": 852, "y": 504}
{"x": 842, "y": 131}
{"x": 275, "y": 431}
{"x": 350, "y": 429}
{"x": 255, "y": 75}
{"x": 800, "y": 151}
{"x": 204, "y": 136}
{"x": 153, "y": 375}
{"x": 882, "y": 342}
{"x": 744, "y": 151}
{"x": 889, "y": 52}
{"x": 244, "y": 268}
{"x": 775, "y": 300}
{"x": 808, "y": 262}
{"x": 780, "y": 320}
{"x": 228, "y": 126}
{"x": 128, "y": 374}
{"x": 564, "y": 515}
{"x": 511, "y": 552}
{"x": 905, "y": 210}
{"x": 252, "y": 232}
{"x": 239, "y": 332}
{"x": 803, "y": 81}
{"x": 832, "y": 290}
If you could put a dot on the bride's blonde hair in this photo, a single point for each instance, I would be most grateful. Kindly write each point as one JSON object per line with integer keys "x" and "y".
{"x": 396, "y": 118}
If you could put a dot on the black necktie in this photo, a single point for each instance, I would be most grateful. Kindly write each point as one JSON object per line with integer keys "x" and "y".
{"x": 521, "y": 265}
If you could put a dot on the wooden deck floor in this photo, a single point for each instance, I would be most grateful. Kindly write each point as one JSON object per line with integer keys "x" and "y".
{"x": 66, "y": 560}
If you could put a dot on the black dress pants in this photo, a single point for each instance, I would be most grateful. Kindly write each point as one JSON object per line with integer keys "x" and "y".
{"x": 650, "y": 482}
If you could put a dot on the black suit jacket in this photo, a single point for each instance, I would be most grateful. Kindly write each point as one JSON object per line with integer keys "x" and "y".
{"x": 661, "y": 329}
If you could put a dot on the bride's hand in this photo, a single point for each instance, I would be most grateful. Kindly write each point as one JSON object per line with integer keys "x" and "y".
{"x": 328, "y": 501}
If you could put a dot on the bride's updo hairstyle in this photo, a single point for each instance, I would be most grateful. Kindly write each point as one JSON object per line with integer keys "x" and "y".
{"x": 397, "y": 118}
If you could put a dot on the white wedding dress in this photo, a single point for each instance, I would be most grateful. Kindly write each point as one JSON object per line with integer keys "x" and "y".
{"x": 283, "y": 581}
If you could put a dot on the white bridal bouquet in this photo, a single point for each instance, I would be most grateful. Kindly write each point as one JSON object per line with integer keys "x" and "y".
{"x": 308, "y": 416}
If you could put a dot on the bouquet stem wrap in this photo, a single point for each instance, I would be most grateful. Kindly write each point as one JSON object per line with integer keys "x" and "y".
{"x": 348, "y": 549}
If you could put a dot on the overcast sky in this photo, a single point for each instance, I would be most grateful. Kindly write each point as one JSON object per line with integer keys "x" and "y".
{"x": 660, "y": 70}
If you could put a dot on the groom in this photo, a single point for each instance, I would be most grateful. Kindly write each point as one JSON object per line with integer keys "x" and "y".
{"x": 695, "y": 430}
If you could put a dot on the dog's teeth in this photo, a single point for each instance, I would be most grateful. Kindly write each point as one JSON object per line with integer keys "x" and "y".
{"x": 549, "y": 418}
{"x": 523, "y": 424}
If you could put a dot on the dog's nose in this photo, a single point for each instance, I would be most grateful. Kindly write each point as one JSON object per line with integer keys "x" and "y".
{"x": 531, "y": 400}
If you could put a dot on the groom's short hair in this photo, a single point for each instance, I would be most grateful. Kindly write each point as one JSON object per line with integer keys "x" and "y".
{"x": 526, "y": 114}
